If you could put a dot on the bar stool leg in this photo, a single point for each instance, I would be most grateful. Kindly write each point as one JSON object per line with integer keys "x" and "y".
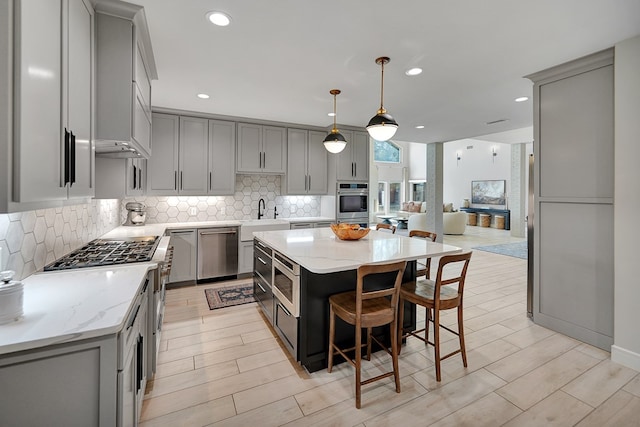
{"x": 463, "y": 351}
{"x": 394, "y": 353}
{"x": 399, "y": 326}
{"x": 436, "y": 341}
{"x": 332, "y": 333}
{"x": 358, "y": 350}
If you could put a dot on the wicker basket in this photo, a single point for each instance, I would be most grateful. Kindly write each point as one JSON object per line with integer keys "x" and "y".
{"x": 500, "y": 222}
{"x": 472, "y": 218}
{"x": 485, "y": 220}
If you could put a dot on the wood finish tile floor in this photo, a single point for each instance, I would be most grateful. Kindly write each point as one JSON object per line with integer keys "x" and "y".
{"x": 226, "y": 367}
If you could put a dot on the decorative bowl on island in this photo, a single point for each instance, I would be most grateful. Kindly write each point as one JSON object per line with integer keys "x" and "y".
{"x": 349, "y": 231}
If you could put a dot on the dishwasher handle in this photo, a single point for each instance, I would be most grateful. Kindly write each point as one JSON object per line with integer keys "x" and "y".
{"x": 208, "y": 233}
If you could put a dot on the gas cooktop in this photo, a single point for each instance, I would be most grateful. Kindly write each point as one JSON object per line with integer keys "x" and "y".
{"x": 101, "y": 252}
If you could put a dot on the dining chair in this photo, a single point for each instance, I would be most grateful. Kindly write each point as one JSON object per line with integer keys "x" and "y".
{"x": 423, "y": 268}
{"x": 373, "y": 303}
{"x": 438, "y": 295}
{"x": 386, "y": 227}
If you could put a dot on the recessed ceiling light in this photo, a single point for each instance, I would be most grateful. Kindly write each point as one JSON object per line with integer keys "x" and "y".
{"x": 331, "y": 114}
{"x": 420, "y": 127}
{"x": 219, "y": 18}
{"x": 413, "y": 71}
{"x": 522, "y": 99}
{"x": 203, "y": 96}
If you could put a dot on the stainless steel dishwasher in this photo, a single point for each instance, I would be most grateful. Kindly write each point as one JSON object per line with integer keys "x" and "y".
{"x": 217, "y": 252}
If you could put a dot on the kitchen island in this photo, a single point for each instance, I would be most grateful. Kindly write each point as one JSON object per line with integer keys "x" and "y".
{"x": 310, "y": 265}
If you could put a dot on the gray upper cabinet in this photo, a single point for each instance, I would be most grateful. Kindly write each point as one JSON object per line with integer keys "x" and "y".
{"x": 222, "y": 152}
{"x": 306, "y": 162}
{"x": 191, "y": 156}
{"x": 353, "y": 161}
{"x": 261, "y": 149}
{"x": 162, "y": 168}
{"x": 53, "y": 76}
{"x": 125, "y": 68}
{"x": 120, "y": 178}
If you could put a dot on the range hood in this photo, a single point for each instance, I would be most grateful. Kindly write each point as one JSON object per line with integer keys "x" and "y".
{"x": 117, "y": 149}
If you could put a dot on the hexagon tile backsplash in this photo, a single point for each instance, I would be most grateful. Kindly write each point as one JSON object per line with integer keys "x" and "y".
{"x": 242, "y": 205}
{"x": 30, "y": 240}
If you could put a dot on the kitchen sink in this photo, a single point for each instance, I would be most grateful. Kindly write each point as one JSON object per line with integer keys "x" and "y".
{"x": 248, "y": 227}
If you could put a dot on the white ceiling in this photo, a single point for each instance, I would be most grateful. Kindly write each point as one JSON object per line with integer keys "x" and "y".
{"x": 279, "y": 58}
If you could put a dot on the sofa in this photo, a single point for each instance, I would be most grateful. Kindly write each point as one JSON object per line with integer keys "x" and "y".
{"x": 452, "y": 222}
{"x": 412, "y": 208}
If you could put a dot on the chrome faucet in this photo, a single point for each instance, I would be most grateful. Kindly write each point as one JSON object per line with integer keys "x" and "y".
{"x": 260, "y": 214}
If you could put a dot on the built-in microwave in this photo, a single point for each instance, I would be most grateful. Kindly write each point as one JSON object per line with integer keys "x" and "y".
{"x": 352, "y": 201}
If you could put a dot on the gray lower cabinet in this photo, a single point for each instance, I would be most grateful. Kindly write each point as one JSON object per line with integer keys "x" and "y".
{"x": 245, "y": 257}
{"x": 46, "y": 388}
{"x": 185, "y": 251}
{"x": 93, "y": 382}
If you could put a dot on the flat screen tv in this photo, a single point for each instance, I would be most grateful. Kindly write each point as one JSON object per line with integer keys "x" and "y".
{"x": 489, "y": 192}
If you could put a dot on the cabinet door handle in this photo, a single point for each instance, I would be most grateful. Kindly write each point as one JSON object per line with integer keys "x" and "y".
{"x": 261, "y": 288}
{"x": 181, "y": 181}
{"x": 209, "y": 180}
{"x": 133, "y": 318}
{"x": 309, "y": 188}
{"x": 139, "y": 178}
{"x": 262, "y": 261}
{"x": 66, "y": 157}
{"x": 175, "y": 180}
{"x": 135, "y": 177}
{"x": 287, "y": 312}
{"x": 72, "y": 160}
{"x": 264, "y": 159}
{"x": 355, "y": 169}
{"x": 352, "y": 174}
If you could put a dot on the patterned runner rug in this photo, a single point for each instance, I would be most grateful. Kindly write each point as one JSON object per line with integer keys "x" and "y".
{"x": 226, "y": 296}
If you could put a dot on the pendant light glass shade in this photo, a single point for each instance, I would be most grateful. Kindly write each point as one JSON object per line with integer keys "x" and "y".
{"x": 334, "y": 142}
{"x": 382, "y": 126}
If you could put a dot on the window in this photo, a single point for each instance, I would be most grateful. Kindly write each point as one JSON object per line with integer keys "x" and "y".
{"x": 418, "y": 191}
{"x": 381, "y": 198}
{"x": 389, "y": 197}
{"x": 386, "y": 151}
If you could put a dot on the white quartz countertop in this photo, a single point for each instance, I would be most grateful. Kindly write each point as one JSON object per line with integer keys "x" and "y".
{"x": 320, "y": 251}
{"x": 160, "y": 228}
{"x": 310, "y": 219}
{"x": 70, "y": 305}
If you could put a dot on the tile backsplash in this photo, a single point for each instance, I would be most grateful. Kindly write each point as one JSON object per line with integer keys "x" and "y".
{"x": 242, "y": 205}
{"x": 30, "y": 240}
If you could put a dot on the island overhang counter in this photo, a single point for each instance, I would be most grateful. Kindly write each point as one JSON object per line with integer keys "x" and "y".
{"x": 318, "y": 265}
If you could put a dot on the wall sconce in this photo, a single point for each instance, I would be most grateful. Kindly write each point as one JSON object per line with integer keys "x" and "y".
{"x": 494, "y": 153}
{"x": 458, "y": 157}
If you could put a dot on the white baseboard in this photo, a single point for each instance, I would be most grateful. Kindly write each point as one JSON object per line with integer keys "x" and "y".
{"x": 625, "y": 357}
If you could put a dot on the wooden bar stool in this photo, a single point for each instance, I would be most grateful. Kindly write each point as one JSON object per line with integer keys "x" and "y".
{"x": 423, "y": 268}
{"x": 438, "y": 295}
{"x": 371, "y": 304}
{"x": 383, "y": 226}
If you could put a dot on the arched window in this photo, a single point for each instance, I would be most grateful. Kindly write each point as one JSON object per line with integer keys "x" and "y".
{"x": 386, "y": 151}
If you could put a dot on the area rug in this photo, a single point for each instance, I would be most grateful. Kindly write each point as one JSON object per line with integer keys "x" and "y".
{"x": 518, "y": 249}
{"x": 226, "y": 296}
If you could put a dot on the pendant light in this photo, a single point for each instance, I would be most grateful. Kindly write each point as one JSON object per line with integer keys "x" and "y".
{"x": 382, "y": 126}
{"x": 334, "y": 142}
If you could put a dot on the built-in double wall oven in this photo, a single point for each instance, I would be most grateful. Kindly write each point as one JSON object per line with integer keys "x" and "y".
{"x": 352, "y": 203}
